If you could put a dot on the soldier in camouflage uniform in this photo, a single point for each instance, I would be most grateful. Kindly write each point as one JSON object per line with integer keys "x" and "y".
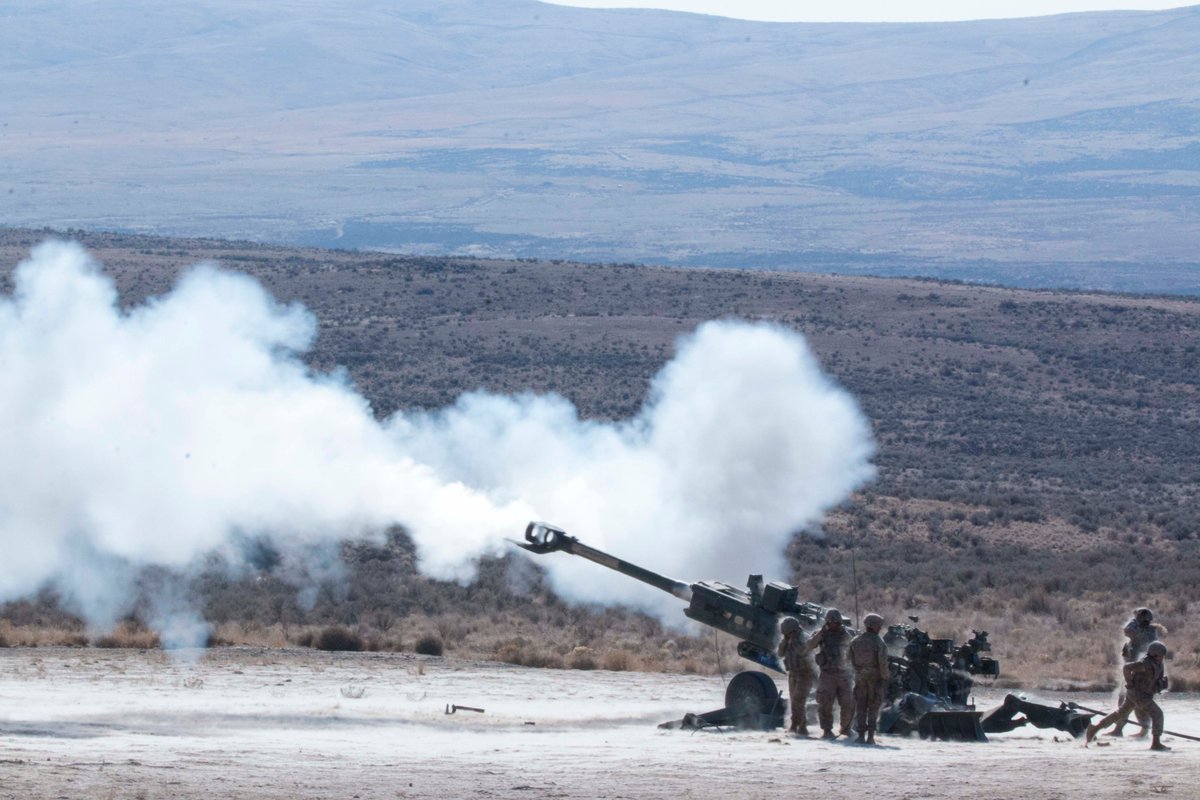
{"x": 831, "y": 644}
{"x": 794, "y": 652}
{"x": 1143, "y": 679}
{"x": 1140, "y": 631}
{"x": 869, "y": 658}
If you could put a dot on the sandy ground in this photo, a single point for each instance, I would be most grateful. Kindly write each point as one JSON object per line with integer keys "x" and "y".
{"x": 252, "y": 723}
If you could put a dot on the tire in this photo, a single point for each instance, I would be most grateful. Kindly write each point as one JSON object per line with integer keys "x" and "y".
{"x": 750, "y": 698}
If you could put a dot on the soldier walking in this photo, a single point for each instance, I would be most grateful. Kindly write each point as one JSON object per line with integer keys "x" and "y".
{"x": 794, "y": 652}
{"x": 1140, "y": 631}
{"x": 869, "y": 658}
{"x": 1143, "y": 679}
{"x": 831, "y": 642}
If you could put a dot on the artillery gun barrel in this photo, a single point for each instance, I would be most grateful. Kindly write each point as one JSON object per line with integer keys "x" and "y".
{"x": 542, "y": 538}
{"x": 751, "y": 616}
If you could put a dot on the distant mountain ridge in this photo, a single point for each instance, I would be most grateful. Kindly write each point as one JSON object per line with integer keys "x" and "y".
{"x": 1050, "y": 151}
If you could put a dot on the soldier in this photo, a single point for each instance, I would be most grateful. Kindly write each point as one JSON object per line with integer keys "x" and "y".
{"x": 832, "y": 642}
{"x": 1140, "y": 630}
{"x": 869, "y": 657}
{"x": 794, "y": 652}
{"x": 1143, "y": 679}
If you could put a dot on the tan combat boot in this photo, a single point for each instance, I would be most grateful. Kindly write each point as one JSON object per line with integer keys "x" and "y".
{"x": 870, "y": 737}
{"x": 1158, "y": 745}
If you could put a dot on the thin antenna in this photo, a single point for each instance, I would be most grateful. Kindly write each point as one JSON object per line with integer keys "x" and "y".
{"x": 854, "y": 573}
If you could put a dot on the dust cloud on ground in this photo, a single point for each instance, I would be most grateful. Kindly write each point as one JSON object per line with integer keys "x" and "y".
{"x": 256, "y": 723}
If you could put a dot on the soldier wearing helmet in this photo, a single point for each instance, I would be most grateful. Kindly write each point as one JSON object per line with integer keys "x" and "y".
{"x": 869, "y": 658}
{"x": 1143, "y": 679}
{"x": 1140, "y": 631}
{"x": 832, "y": 642}
{"x": 793, "y": 649}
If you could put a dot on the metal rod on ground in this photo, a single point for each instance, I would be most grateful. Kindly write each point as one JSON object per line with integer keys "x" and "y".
{"x": 1133, "y": 722}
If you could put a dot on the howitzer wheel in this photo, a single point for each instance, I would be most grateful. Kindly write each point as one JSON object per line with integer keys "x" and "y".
{"x": 753, "y": 701}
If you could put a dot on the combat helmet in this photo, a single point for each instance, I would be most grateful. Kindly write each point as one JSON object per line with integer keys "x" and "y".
{"x": 1143, "y": 615}
{"x": 1157, "y": 649}
{"x": 872, "y": 621}
{"x": 833, "y": 615}
{"x": 789, "y": 625}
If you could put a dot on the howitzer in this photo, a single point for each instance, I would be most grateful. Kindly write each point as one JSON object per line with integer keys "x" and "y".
{"x": 924, "y": 672}
{"x": 751, "y": 699}
{"x": 930, "y": 679}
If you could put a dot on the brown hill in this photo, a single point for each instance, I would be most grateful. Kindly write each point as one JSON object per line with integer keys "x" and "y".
{"x": 1039, "y": 452}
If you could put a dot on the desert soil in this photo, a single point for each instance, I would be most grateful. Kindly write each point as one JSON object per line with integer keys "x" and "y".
{"x": 254, "y": 723}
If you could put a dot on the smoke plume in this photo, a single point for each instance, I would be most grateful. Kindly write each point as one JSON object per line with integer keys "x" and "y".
{"x": 742, "y": 442}
{"x": 159, "y": 434}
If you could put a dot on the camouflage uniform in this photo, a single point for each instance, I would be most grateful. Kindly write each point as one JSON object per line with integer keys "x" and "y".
{"x": 794, "y": 652}
{"x": 1143, "y": 679}
{"x": 869, "y": 657}
{"x": 832, "y": 642}
{"x": 1139, "y": 636}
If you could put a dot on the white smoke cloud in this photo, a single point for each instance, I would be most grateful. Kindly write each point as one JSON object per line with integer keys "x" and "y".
{"x": 742, "y": 443}
{"x": 153, "y": 436}
{"x": 156, "y": 435}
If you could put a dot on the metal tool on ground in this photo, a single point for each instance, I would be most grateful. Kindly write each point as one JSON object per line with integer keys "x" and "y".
{"x": 1132, "y": 722}
{"x": 450, "y": 709}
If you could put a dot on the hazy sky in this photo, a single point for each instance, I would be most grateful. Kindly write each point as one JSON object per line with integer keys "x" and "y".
{"x": 877, "y": 10}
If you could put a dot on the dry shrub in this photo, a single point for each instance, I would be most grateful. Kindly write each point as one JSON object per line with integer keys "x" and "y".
{"x": 337, "y": 638}
{"x": 129, "y": 635}
{"x": 619, "y": 660}
{"x": 69, "y": 639}
{"x": 1184, "y": 683}
{"x": 389, "y": 644}
{"x": 581, "y": 658}
{"x": 215, "y": 639}
{"x": 544, "y": 660}
{"x": 651, "y": 663}
{"x": 512, "y": 652}
{"x": 248, "y": 633}
{"x": 40, "y": 636}
{"x": 519, "y": 652}
{"x": 429, "y": 645}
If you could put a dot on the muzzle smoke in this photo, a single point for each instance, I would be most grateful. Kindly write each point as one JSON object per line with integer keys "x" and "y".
{"x": 157, "y": 435}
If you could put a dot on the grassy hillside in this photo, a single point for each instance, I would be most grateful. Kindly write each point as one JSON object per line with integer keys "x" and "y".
{"x": 1039, "y": 452}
